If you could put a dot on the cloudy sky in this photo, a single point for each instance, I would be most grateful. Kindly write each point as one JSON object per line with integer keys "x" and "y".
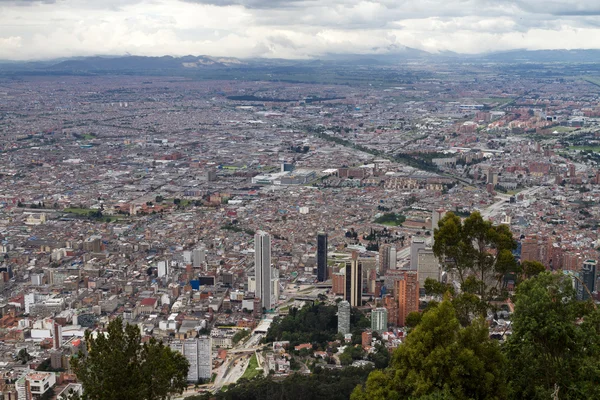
{"x": 42, "y": 29}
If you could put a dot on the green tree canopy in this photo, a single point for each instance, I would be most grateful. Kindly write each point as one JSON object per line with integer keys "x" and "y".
{"x": 532, "y": 268}
{"x": 413, "y": 319}
{"x": 316, "y": 323}
{"x": 555, "y": 342}
{"x": 480, "y": 255}
{"x": 23, "y": 356}
{"x": 441, "y": 359}
{"x": 321, "y": 384}
{"x": 118, "y": 366}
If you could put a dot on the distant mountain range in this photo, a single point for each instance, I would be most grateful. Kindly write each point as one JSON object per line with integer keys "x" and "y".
{"x": 122, "y": 63}
{"x": 169, "y": 64}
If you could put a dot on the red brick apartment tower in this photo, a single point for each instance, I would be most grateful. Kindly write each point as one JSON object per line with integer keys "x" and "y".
{"x": 407, "y": 293}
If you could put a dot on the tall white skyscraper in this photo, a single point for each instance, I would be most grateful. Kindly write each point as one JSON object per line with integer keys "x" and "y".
{"x": 199, "y": 256}
{"x": 416, "y": 245}
{"x": 187, "y": 257}
{"x": 262, "y": 267}
{"x": 274, "y": 286}
{"x": 29, "y": 300}
{"x": 428, "y": 266}
{"x": 162, "y": 268}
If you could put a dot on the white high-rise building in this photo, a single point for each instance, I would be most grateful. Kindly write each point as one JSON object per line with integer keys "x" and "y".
{"x": 37, "y": 279}
{"x": 393, "y": 257}
{"x": 187, "y": 257}
{"x": 163, "y": 269}
{"x": 198, "y": 352}
{"x": 416, "y": 245}
{"x": 252, "y": 284}
{"x": 29, "y": 300}
{"x": 274, "y": 286}
{"x": 428, "y": 266}
{"x": 199, "y": 256}
{"x": 344, "y": 317}
{"x": 379, "y": 319}
{"x": 262, "y": 267}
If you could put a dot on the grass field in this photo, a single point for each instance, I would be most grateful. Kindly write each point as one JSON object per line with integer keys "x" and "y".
{"x": 562, "y": 129}
{"x": 79, "y": 211}
{"x": 251, "y": 370}
{"x": 594, "y": 80}
{"x": 84, "y": 212}
{"x": 592, "y": 148}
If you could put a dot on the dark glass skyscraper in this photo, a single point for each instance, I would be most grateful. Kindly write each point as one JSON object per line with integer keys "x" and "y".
{"x": 321, "y": 257}
{"x": 588, "y": 276}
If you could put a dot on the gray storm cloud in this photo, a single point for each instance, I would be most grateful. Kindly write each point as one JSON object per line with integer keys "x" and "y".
{"x": 34, "y": 29}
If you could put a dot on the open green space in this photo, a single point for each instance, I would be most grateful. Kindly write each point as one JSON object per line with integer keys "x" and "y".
{"x": 562, "y": 129}
{"x": 390, "y": 219}
{"x": 79, "y": 211}
{"x": 592, "y": 148}
{"x": 93, "y": 214}
{"x": 594, "y": 80}
{"x": 251, "y": 370}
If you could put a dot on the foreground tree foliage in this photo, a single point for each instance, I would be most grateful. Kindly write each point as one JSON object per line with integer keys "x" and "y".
{"x": 441, "y": 359}
{"x": 555, "y": 345}
{"x": 480, "y": 255}
{"x": 315, "y": 323}
{"x": 118, "y": 366}
{"x": 532, "y": 268}
{"x": 323, "y": 384}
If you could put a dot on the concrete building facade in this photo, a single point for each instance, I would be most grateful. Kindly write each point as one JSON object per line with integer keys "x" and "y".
{"x": 262, "y": 267}
{"x": 379, "y": 320}
{"x": 407, "y": 293}
{"x": 344, "y": 317}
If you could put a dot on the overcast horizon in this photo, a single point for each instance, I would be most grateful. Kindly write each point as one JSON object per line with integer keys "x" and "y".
{"x": 296, "y": 29}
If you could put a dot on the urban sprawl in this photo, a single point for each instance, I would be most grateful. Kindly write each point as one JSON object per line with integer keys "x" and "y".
{"x": 204, "y": 211}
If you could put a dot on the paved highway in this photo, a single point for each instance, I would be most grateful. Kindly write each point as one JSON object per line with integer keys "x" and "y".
{"x": 237, "y": 360}
{"x": 496, "y": 208}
